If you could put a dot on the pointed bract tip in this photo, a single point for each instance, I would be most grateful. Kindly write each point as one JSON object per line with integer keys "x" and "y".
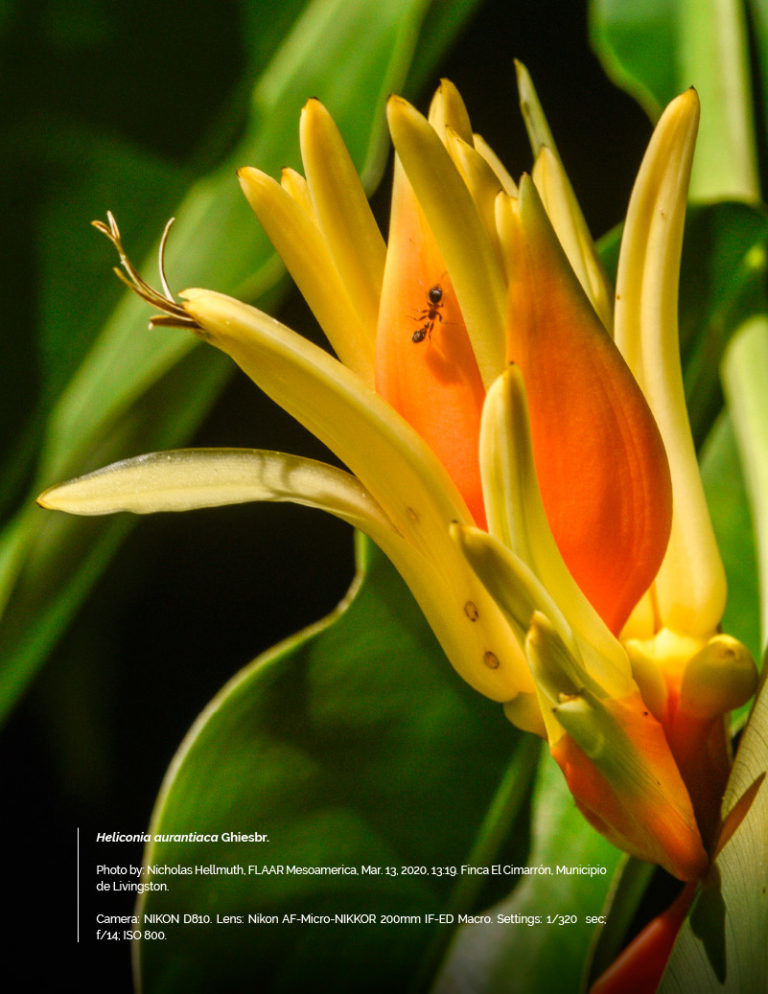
{"x": 397, "y": 103}
{"x": 686, "y": 104}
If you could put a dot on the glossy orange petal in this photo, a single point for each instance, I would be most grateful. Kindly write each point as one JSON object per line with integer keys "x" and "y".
{"x": 600, "y": 460}
{"x": 425, "y": 366}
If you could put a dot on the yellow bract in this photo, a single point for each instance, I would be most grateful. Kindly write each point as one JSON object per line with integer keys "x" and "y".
{"x": 395, "y": 465}
{"x": 690, "y": 590}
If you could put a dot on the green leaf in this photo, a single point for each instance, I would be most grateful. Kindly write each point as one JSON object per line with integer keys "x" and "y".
{"x": 353, "y": 744}
{"x": 721, "y": 946}
{"x": 636, "y": 44}
{"x": 49, "y": 561}
{"x": 745, "y": 372}
{"x": 74, "y": 295}
{"x": 72, "y": 151}
{"x": 137, "y": 390}
{"x": 732, "y": 520}
{"x": 722, "y": 283}
{"x": 655, "y": 49}
{"x": 505, "y": 955}
{"x": 757, "y": 18}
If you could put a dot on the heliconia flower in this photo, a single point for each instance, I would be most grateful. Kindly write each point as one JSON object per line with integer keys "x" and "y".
{"x": 521, "y": 454}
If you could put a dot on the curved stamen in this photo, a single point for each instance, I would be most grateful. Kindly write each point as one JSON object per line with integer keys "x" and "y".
{"x": 174, "y": 313}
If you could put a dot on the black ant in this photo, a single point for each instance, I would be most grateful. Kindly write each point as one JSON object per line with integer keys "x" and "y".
{"x": 429, "y": 314}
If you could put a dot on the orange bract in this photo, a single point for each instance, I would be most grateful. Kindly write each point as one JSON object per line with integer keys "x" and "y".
{"x": 600, "y": 460}
{"x": 636, "y": 797}
{"x": 431, "y": 379}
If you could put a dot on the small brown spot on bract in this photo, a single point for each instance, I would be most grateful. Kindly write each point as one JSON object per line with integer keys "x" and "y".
{"x": 491, "y": 660}
{"x": 412, "y": 514}
{"x": 470, "y": 609}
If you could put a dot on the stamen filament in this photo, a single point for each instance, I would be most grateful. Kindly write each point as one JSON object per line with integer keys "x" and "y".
{"x": 174, "y": 313}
